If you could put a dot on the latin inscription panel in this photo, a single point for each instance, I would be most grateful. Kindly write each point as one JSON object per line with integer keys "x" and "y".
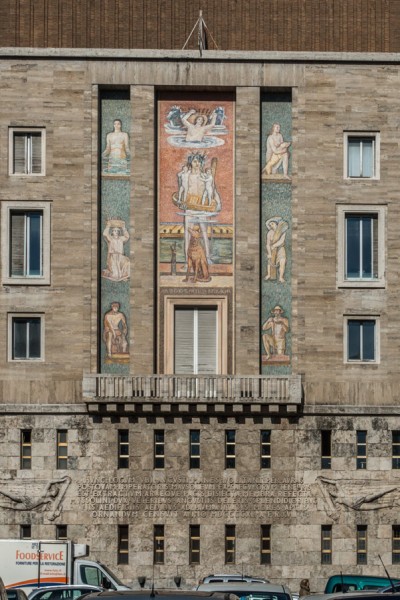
{"x": 126, "y": 497}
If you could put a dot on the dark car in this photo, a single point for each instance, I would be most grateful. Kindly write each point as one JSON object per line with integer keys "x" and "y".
{"x": 62, "y": 592}
{"x": 16, "y": 594}
{"x": 159, "y": 594}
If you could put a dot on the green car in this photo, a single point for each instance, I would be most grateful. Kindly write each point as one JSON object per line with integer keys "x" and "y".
{"x": 351, "y": 583}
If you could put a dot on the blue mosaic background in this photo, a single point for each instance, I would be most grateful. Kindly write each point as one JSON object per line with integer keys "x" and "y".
{"x": 276, "y": 202}
{"x": 114, "y": 204}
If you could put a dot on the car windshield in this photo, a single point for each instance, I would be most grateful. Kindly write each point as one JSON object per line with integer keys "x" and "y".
{"x": 112, "y": 575}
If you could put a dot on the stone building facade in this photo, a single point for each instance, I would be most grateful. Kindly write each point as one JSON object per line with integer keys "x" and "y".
{"x": 199, "y": 309}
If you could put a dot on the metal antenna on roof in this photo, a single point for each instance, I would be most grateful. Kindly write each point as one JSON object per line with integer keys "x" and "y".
{"x": 202, "y": 32}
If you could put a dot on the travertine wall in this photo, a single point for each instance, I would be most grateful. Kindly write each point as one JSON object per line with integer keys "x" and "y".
{"x": 61, "y": 93}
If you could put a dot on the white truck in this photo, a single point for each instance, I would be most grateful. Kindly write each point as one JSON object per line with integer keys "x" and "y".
{"x": 30, "y": 564}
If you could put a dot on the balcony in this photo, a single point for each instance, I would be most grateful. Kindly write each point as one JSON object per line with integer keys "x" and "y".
{"x": 216, "y": 394}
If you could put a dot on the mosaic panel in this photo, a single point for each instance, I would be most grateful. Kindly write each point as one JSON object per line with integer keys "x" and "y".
{"x": 276, "y": 231}
{"x": 114, "y": 232}
{"x": 196, "y": 173}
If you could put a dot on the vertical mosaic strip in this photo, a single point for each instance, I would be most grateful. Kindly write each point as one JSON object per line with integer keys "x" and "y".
{"x": 276, "y": 234}
{"x": 114, "y": 234}
{"x": 196, "y": 174}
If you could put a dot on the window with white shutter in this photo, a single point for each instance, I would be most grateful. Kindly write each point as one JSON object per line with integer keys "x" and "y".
{"x": 195, "y": 336}
{"x": 27, "y": 151}
{"x": 195, "y": 340}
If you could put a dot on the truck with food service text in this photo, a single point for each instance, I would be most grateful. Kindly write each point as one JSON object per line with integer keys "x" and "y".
{"x": 30, "y": 564}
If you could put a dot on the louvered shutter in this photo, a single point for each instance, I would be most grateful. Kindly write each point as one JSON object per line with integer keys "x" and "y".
{"x": 36, "y": 141}
{"x": 184, "y": 341}
{"x": 207, "y": 341}
{"x": 17, "y": 243}
{"x": 20, "y": 153}
{"x": 195, "y": 341}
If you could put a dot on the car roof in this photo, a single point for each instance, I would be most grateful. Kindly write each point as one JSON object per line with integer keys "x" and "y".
{"x": 145, "y": 594}
{"x": 241, "y": 586}
{"x": 53, "y": 588}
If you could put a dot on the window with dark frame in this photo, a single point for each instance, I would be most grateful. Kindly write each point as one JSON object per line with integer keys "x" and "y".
{"x": 194, "y": 544}
{"x": 361, "y": 242}
{"x": 194, "y": 449}
{"x": 230, "y": 449}
{"x": 326, "y": 544}
{"x": 230, "y": 544}
{"x": 396, "y": 544}
{"x": 265, "y": 440}
{"x": 27, "y": 152}
{"x": 123, "y": 545}
{"x": 265, "y": 545}
{"x": 26, "y": 335}
{"x": 123, "y": 449}
{"x": 159, "y": 545}
{"x": 159, "y": 449}
{"x": 62, "y": 449}
{"x": 395, "y": 449}
{"x": 361, "y": 459}
{"x": 326, "y": 448}
{"x": 61, "y": 532}
{"x": 26, "y": 449}
{"x": 25, "y": 532}
{"x": 361, "y": 340}
{"x": 362, "y": 545}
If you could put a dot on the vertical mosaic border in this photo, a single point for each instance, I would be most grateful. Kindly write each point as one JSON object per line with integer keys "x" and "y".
{"x": 114, "y": 242}
{"x": 276, "y": 234}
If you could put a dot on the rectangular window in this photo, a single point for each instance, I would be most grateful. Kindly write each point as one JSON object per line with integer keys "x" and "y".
{"x": 25, "y": 532}
{"x": 326, "y": 448}
{"x": 395, "y": 449}
{"x": 25, "y": 337}
{"x": 194, "y": 547}
{"x": 194, "y": 449}
{"x": 26, "y": 449}
{"x": 230, "y": 544}
{"x": 27, "y": 151}
{"x": 361, "y": 246}
{"x": 123, "y": 545}
{"x": 361, "y": 449}
{"x": 159, "y": 544}
{"x": 361, "y": 544}
{"x": 25, "y": 246}
{"x": 265, "y": 545}
{"x": 265, "y": 440}
{"x": 195, "y": 340}
{"x": 195, "y": 335}
{"x": 230, "y": 449}
{"x": 396, "y": 544}
{"x": 326, "y": 544}
{"x": 123, "y": 449}
{"x": 362, "y": 340}
{"x": 61, "y": 532}
{"x": 62, "y": 449}
{"x": 159, "y": 449}
{"x": 361, "y": 155}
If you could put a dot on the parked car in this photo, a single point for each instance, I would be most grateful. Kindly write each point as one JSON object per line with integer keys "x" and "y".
{"x": 248, "y": 590}
{"x": 351, "y": 583}
{"x": 389, "y": 589}
{"x": 16, "y": 594}
{"x": 231, "y": 577}
{"x": 159, "y": 594}
{"x": 62, "y": 592}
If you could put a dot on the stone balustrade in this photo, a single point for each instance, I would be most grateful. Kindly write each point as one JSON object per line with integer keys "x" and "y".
{"x": 104, "y": 389}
